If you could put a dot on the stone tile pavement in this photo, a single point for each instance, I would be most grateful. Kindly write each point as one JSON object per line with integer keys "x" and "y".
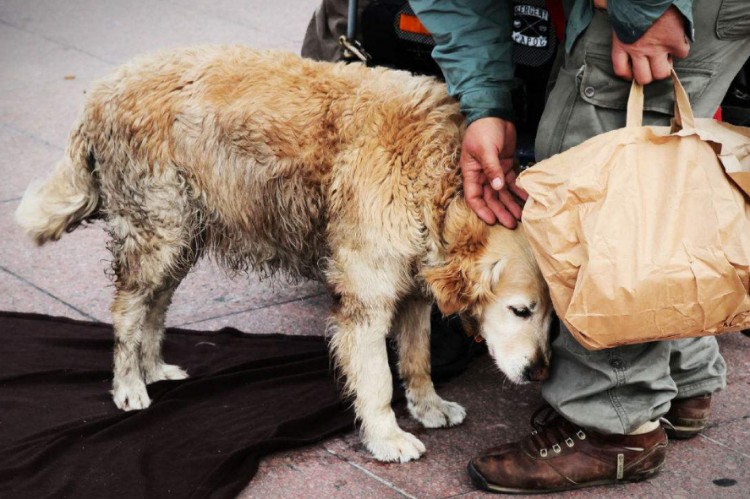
{"x": 51, "y": 51}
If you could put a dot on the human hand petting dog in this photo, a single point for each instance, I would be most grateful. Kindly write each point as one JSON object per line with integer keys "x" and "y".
{"x": 487, "y": 170}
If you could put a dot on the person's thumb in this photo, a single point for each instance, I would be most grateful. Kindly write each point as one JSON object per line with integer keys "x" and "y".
{"x": 491, "y": 166}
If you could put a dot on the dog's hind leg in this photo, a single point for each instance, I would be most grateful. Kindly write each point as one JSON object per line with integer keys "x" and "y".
{"x": 149, "y": 262}
{"x": 138, "y": 318}
{"x": 362, "y": 319}
{"x": 412, "y": 329}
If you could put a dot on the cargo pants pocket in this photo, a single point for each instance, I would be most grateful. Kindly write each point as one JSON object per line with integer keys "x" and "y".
{"x": 733, "y": 20}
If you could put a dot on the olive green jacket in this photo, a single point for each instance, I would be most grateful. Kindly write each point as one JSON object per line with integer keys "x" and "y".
{"x": 474, "y": 44}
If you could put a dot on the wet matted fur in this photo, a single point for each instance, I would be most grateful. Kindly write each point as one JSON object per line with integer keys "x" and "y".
{"x": 269, "y": 162}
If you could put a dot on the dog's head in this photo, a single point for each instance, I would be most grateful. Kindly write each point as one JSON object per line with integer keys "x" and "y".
{"x": 491, "y": 279}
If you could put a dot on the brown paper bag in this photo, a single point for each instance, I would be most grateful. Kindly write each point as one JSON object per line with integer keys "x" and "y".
{"x": 643, "y": 233}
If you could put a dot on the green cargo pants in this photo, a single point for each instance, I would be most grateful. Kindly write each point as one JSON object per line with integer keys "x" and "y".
{"x": 619, "y": 389}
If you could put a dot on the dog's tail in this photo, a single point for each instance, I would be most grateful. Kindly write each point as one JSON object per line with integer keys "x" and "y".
{"x": 66, "y": 198}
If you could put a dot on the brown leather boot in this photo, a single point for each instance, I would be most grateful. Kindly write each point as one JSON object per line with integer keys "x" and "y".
{"x": 559, "y": 456}
{"x": 687, "y": 417}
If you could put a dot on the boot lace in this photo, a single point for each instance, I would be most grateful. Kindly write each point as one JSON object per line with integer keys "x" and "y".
{"x": 552, "y": 431}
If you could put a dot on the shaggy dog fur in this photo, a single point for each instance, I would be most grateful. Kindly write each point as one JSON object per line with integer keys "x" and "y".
{"x": 334, "y": 172}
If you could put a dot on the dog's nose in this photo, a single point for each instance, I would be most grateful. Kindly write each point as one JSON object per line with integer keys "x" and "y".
{"x": 539, "y": 371}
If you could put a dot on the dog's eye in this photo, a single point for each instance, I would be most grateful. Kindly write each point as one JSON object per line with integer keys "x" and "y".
{"x": 522, "y": 312}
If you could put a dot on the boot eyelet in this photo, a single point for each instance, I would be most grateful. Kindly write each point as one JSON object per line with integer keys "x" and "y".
{"x": 569, "y": 442}
{"x": 581, "y": 435}
{"x": 556, "y": 448}
{"x": 543, "y": 452}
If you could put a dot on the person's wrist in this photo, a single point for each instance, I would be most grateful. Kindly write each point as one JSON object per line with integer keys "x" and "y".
{"x": 489, "y": 113}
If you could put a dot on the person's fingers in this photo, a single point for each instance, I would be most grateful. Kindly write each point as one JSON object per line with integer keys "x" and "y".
{"x": 490, "y": 197}
{"x": 479, "y": 207}
{"x": 492, "y": 169}
{"x": 510, "y": 180}
{"x": 649, "y": 57}
{"x": 642, "y": 70}
{"x": 682, "y": 49}
{"x": 473, "y": 181}
{"x": 508, "y": 151}
{"x": 661, "y": 66}
{"x": 498, "y": 209}
{"x": 504, "y": 195}
{"x": 507, "y": 166}
{"x": 620, "y": 60}
{"x": 510, "y": 203}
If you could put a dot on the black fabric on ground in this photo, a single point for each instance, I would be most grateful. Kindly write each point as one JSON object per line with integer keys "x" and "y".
{"x": 62, "y": 436}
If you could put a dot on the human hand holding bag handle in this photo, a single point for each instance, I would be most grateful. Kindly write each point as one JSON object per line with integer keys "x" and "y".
{"x": 643, "y": 233}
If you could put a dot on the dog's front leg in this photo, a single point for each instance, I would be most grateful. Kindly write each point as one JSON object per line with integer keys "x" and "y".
{"x": 412, "y": 329}
{"x": 359, "y": 345}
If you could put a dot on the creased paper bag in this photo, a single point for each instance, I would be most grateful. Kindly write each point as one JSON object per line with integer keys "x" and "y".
{"x": 643, "y": 233}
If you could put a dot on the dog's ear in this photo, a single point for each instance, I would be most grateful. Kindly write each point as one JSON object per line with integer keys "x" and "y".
{"x": 491, "y": 275}
{"x": 449, "y": 286}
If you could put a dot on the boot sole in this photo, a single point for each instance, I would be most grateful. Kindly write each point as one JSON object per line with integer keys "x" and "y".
{"x": 481, "y": 483}
{"x": 682, "y": 432}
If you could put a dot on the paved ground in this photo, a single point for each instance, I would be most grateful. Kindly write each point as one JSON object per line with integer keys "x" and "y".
{"x": 50, "y": 51}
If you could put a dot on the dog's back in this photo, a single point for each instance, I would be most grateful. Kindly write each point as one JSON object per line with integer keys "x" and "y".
{"x": 234, "y": 151}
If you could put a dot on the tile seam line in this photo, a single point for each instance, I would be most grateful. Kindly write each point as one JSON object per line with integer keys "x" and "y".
{"x": 238, "y": 312}
{"x": 29, "y": 135}
{"x": 26, "y": 281}
{"x": 717, "y": 442}
{"x": 369, "y": 473}
{"x": 57, "y": 42}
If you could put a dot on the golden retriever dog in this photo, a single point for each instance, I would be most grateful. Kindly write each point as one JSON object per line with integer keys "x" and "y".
{"x": 335, "y": 172}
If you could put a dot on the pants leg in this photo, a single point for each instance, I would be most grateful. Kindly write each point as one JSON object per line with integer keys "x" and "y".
{"x": 696, "y": 366}
{"x": 619, "y": 389}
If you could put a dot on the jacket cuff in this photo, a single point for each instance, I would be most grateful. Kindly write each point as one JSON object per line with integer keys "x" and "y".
{"x": 630, "y": 23}
{"x": 686, "y": 9}
{"x": 494, "y": 102}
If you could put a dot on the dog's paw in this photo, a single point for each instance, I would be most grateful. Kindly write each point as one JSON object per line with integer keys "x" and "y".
{"x": 164, "y": 371}
{"x": 131, "y": 395}
{"x": 399, "y": 446}
{"x": 437, "y": 413}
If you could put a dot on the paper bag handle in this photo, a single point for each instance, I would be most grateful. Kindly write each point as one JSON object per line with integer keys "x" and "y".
{"x": 683, "y": 113}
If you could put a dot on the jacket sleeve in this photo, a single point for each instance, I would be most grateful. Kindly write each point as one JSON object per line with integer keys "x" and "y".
{"x": 474, "y": 51}
{"x": 630, "y": 19}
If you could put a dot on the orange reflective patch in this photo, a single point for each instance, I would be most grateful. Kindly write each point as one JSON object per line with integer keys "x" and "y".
{"x": 411, "y": 24}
